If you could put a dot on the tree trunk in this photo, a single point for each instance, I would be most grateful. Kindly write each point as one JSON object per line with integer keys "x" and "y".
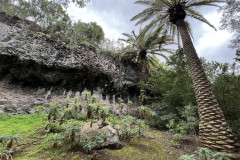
{"x": 143, "y": 56}
{"x": 120, "y": 73}
{"x": 214, "y": 131}
{"x": 143, "y": 78}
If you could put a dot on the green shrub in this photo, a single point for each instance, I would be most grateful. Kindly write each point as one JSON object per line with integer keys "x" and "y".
{"x": 178, "y": 132}
{"x": 146, "y": 112}
{"x": 164, "y": 113}
{"x": 131, "y": 127}
{"x": 6, "y": 153}
{"x": 141, "y": 127}
{"x": 190, "y": 119}
{"x": 8, "y": 146}
{"x": 206, "y": 154}
{"x": 54, "y": 111}
{"x": 56, "y": 139}
{"x": 87, "y": 96}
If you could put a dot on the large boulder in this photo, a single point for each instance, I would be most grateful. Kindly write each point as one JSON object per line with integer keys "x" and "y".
{"x": 114, "y": 133}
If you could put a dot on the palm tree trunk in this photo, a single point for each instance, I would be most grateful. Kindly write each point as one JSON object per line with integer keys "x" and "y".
{"x": 143, "y": 78}
{"x": 143, "y": 56}
{"x": 120, "y": 73}
{"x": 214, "y": 131}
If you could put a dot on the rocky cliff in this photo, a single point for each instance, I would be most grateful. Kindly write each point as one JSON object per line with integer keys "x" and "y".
{"x": 37, "y": 62}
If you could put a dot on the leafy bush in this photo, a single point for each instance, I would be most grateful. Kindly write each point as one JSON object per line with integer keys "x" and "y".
{"x": 141, "y": 127}
{"x": 206, "y": 154}
{"x": 127, "y": 128}
{"x": 87, "y": 96}
{"x": 190, "y": 119}
{"x": 146, "y": 112}
{"x": 6, "y": 154}
{"x": 89, "y": 32}
{"x": 178, "y": 132}
{"x": 54, "y": 111}
{"x": 8, "y": 146}
{"x": 164, "y": 113}
{"x": 56, "y": 139}
{"x": 131, "y": 127}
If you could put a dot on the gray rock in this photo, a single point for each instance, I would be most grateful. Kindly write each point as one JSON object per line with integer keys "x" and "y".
{"x": 113, "y": 133}
{"x": 37, "y": 61}
{"x": 27, "y": 110}
{"x": 2, "y": 109}
{"x": 38, "y": 102}
{"x": 8, "y": 109}
{"x": 2, "y": 102}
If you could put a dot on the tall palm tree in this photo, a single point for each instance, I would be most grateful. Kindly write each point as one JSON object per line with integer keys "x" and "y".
{"x": 214, "y": 131}
{"x": 144, "y": 48}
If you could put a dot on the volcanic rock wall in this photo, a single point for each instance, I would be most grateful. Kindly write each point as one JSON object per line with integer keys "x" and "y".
{"x": 36, "y": 62}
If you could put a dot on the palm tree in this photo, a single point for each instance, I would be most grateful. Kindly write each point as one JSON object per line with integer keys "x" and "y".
{"x": 145, "y": 47}
{"x": 214, "y": 131}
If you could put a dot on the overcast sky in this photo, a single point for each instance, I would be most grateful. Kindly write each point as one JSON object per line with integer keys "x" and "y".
{"x": 114, "y": 17}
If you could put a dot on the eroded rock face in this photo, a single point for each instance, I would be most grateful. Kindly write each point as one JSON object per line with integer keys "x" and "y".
{"x": 33, "y": 61}
{"x": 113, "y": 133}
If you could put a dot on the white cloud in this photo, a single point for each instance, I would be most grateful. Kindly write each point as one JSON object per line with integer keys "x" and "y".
{"x": 211, "y": 39}
{"x": 88, "y": 15}
{"x": 114, "y": 16}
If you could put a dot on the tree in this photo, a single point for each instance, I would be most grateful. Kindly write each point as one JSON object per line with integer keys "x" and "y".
{"x": 89, "y": 32}
{"x": 227, "y": 91}
{"x": 152, "y": 64}
{"x": 145, "y": 47}
{"x": 214, "y": 131}
{"x": 231, "y": 20}
{"x": 63, "y": 3}
{"x": 237, "y": 55}
{"x": 171, "y": 89}
{"x": 47, "y": 14}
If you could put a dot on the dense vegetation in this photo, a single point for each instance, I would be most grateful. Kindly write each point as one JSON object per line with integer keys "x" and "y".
{"x": 172, "y": 96}
{"x": 55, "y": 132}
{"x": 171, "y": 92}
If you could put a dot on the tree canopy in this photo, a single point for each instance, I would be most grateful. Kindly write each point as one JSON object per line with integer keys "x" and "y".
{"x": 48, "y": 14}
{"x": 144, "y": 48}
{"x": 165, "y": 13}
{"x": 90, "y": 32}
{"x": 231, "y": 21}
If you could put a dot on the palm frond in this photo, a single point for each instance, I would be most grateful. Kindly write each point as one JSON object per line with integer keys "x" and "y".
{"x": 162, "y": 55}
{"x": 144, "y": 2}
{"x": 124, "y": 40}
{"x": 142, "y": 14}
{"x": 153, "y": 63}
{"x": 150, "y": 42}
{"x": 157, "y": 13}
{"x": 203, "y": 3}
{"x": 128, "y": 35}
{"x": 198, "y": 16}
